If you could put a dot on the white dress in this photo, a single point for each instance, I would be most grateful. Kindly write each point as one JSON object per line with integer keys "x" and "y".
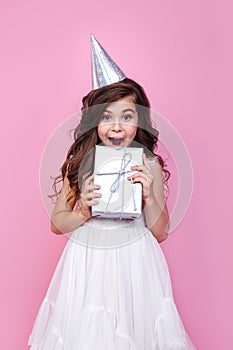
{"x": 111, "y": 290}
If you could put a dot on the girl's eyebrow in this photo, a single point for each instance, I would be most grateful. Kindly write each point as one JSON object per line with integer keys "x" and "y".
{"x": 124, "y": 110}
{"x": 129, "y": 110}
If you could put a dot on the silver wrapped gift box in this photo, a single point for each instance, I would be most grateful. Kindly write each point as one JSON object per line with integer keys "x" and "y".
{"x": 121, "y": 198}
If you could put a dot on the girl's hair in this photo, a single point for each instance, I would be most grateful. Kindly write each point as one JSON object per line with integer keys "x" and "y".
{"x": 86, "y": 137}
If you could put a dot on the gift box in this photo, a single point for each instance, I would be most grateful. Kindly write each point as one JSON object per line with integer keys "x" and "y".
{"x": 121, "y": 198}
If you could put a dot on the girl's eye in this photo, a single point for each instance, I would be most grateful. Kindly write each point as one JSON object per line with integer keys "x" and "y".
{"x": 127, "y": 117}
{"x": 106, "y": 117}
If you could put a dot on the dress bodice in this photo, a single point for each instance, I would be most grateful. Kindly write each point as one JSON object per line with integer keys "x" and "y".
{"x": 104, "y": 223}
{"x": 105, "y": 233}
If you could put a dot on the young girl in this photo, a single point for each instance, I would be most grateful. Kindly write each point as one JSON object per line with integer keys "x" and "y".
{"x": 116, "y": 297}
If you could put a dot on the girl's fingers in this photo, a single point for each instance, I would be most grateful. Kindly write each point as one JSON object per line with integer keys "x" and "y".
{"x": 144, "y": 171}
{"x": 88, "y": 202}
{"x": 89, "y": 179}
{"x": 88, "y": 185}
{"x": 142, "y": 180}
{"x": 91, "y": 195}
{"x": 138, "y": 167}
{"x": 141, "y": 175}
{"x": 91, "y": 188}
{"x": 146, "y": 185}
{"x": 146, "y": 180}
{"x": 141, "y": 168}
{"x": 92, "y": 202}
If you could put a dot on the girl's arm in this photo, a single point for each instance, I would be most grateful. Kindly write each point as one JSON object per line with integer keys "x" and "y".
{"x": 64, "y": 219}
{"x": 155, "y": 208}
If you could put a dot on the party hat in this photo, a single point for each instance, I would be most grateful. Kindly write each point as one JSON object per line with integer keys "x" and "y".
{"x": 104, "y": 70}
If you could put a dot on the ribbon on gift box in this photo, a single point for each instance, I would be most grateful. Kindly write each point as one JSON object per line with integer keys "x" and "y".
{"x": 126, "y": 159}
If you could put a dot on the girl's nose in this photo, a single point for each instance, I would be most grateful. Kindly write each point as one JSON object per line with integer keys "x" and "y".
{"x": 116, "y": 126}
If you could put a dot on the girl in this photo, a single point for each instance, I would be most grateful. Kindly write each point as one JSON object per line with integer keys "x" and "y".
{"x": 121, "y": 297}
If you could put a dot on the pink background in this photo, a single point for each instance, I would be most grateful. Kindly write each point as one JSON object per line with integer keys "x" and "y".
{"x": 179, "y": 51}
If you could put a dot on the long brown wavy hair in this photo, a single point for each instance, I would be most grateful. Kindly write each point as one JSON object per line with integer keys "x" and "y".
{"x": 79, "y": 163}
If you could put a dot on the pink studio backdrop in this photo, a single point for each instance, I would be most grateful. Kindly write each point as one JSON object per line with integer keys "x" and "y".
{"x": 179, "y": 51}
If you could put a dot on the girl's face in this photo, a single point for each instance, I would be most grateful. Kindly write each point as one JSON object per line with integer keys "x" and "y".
{"x": 118, "y": 124}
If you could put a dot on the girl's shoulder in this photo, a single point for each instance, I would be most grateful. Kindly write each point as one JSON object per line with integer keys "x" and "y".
{"x": 152, "y": 159}
{"x": 153, "y": 162}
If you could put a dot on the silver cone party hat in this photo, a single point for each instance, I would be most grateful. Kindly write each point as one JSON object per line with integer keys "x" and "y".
{"x": 104, "y": 70}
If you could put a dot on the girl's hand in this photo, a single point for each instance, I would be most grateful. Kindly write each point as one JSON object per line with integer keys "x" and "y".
{"x": 87, "y": 197}
{"x": 145, "y": 177}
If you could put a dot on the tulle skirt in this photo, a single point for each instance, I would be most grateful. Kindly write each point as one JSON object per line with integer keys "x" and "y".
{"x": 115, "y": 298}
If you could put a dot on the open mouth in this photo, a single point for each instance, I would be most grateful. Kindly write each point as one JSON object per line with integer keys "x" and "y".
{"x": 116, "y": 142}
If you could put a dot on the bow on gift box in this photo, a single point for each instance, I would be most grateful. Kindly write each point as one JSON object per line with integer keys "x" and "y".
{"x": 126, "y": 159}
